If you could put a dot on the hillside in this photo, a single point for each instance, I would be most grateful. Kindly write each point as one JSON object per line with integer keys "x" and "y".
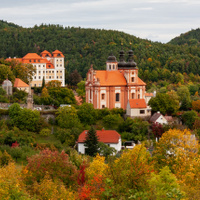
{"x": 83, "y": 47}
{"x": 191, "y": 38}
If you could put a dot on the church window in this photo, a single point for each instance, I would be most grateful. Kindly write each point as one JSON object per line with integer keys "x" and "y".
{"x": 103, "y": 106}
{"x": 133, "y": 95}
{"x": 132, "y": 73}
{"x": 113, "y": 66}
{"x": 109, "y": 67}
{"x": 138, "y": 96}
{"x": 117, "y": 97}
{"x": 132, "y": 79}
{"x": 102, "y": 96}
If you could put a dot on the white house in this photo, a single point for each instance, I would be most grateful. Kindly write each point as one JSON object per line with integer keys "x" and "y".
{"x": 137, "y": 108}
{"x": 110, "y": 137}
{"x": 158, "y": 118}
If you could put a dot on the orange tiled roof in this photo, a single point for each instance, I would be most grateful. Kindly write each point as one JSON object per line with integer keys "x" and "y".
{"x": 20, "y": 83}
{"x": 105, "y": 136}
{"x": 137, "y": 103}
{"x": 56, "y": 52}
{"x": 149, "y": 94}
{"x": 110, "y": 78}
{"x": 45, "y": 52}
{"x": 32, "y": 56}
{"x": 140, "y": 82}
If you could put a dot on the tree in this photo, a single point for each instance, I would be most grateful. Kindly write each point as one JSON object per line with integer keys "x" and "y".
{"x": 6, "y": 73}
{"x": 74, "y": 78}
{"x": 56, "y": 165}
{"x": 87, "y": 114}
{"x": 164, "y": 186}
{"x": 67, "y": 117}
{"x": 91, "y": 142}
{"x": 164, "y": 104}
{"x": 174, "y": 149}
{"x": 81, "y": 90}
{"x": 189, "y": 118}
{"x": 54, "y": 83}
{"x": 24, "y": 119}
{"x": 112, "y": 121}
{"x": 196, "y": 105}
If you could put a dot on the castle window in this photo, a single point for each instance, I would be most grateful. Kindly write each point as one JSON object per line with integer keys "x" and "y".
{"x": 43, "y": 65}
{"x": 60, "y": 65}
{"x": 132, "y": 79}
{"x": 39, "y": 77}
{"x": 57, "y": 65}
{"x": 49, "y": 72}
{"x": 117, "y": 97}
{"x": 52, "y": 71}
{"x": 58, "y": 54}
{"x": 102, "y": 96}
{"x": 49, "y": 77}
{"x": 39, "y": 65}
{"x": 35, "y": 77}
{"x": 60, "y": 60}
{"x": 57, "y": 76}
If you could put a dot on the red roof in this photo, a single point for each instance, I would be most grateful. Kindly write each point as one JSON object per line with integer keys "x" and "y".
{"x": 137, "y": 103}
{"x": 20, "y": 83}
{"x": 57, "y": 53}
{"x": 32, "y": 56}
{"x": 110, "y": 78}
{"x": 149, "y": 94}
{"x": 105, "y": 136}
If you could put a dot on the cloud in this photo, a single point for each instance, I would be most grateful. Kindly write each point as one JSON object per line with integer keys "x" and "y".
{"x": 157, "y": 20}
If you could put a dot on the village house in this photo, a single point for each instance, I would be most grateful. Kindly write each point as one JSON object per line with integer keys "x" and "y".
{"x": 110, "y": 137}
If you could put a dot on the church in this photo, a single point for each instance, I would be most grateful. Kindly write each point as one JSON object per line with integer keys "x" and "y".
{"x": 118, "y": 87}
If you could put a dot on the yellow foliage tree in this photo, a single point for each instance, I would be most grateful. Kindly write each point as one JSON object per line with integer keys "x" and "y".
{"x": 175, "y": 148}
{"x": 11, "y": 186}
{"x": 48, "y": 189}
{"x": 96, "y": 167}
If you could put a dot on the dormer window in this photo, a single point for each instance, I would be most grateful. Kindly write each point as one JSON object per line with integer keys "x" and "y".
{"x": 38, "y": 60}
{"x": 49, "y": 66}
{"x": 29, "y": 60}
{"x": 58, "y": 54}
{"x": 47, "y": 55}
{"x": 34, "y": 60}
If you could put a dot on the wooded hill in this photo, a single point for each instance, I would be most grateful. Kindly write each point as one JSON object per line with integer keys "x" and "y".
{"x": 83, "y": 47}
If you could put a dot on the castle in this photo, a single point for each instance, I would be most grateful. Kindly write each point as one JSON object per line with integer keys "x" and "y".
{"x": 118, "y": 87}
{"x": 48, "y": 67}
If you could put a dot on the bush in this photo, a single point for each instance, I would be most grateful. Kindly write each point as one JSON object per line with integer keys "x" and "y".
{"x": 45, "y": 132}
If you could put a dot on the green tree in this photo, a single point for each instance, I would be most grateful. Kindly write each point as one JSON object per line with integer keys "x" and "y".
{"x": 164, "y": 186}
{"x": 87, "y": 114}
{"x": 112, "y": 121}
{"x": 81, "y": 90}
{"x": 67, "y": 117}
{"x": 189, "y": 118}
{"x": 91, "y": 142}
{"x": 164, "y": 104}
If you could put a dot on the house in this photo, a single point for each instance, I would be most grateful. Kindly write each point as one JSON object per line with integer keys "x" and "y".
{"x": 110, "y": 137}
{"x": 137, "y": 108}
{"x": 21, "y": 85}
{"x": 49, "y": 66}
{"x": 158, "y": 118}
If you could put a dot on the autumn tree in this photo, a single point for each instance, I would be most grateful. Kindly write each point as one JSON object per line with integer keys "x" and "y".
{"x": 56, "y": 165}
{"x": 91, "y": 142}
{"x": 196, "y": 105}
{"x": 6, "y": 72}
{"x": 53, "y": 83}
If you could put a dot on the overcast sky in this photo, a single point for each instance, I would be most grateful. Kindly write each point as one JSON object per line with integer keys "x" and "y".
{"x": 156, "y": 20}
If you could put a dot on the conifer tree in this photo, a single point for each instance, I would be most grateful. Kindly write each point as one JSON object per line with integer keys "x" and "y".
{"x": 91, "y": 142}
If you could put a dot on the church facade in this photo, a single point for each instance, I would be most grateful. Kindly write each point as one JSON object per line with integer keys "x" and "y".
{"x": 115, "y": 86}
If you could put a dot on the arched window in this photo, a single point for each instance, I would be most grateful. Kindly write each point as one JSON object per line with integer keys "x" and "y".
{"x": 132, "y": 95}
{"x": 102, "y": 96}
{"x": 117, "y": 96}
{"x": 132, "y": 79}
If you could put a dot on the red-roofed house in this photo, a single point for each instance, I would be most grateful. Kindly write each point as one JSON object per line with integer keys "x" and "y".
{"x": 115, "y": 86}
{"x": 48, "y": 66}
{"x": 21, "y": 85}
{"x": 110, "y": 137}
{"x": 137, "y": 108}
